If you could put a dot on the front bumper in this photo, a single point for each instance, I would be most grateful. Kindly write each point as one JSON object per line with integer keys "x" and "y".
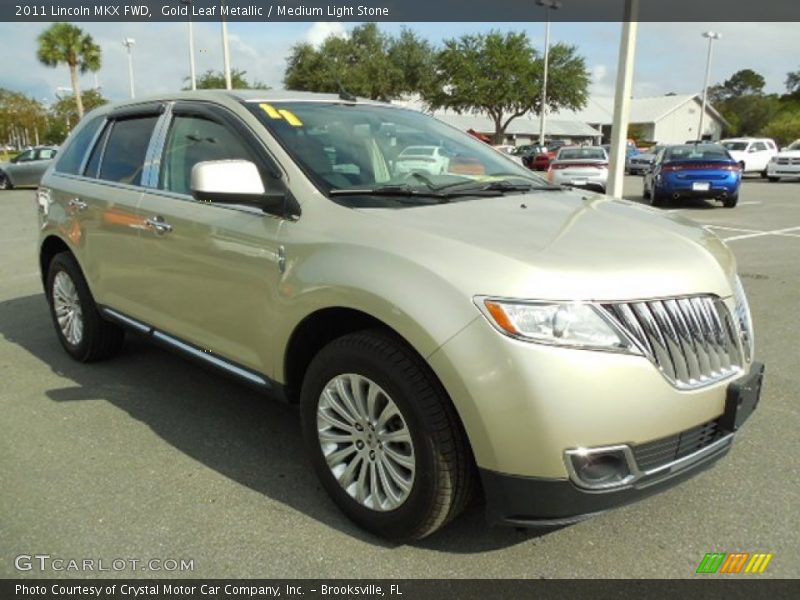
{"x": 533, "y": 501}
{"x": 776, "y": 170}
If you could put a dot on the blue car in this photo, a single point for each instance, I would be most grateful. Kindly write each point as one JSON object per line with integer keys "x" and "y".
{"x": 701, "y": 170}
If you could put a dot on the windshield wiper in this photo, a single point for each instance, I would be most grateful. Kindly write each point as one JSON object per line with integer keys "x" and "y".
{"x": 402, "y": 190}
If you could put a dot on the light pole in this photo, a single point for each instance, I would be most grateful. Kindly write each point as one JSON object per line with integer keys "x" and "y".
{"x": 192, "y": 71}
{"x": 129, "y": 43}
{"x": 226, "y": 54}
{"x": 711, "y": 35}
{"x": 548, "y": 6}
{"x": 622, "y": 99}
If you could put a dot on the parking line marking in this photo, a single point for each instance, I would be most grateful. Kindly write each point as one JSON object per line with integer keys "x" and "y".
{"x": 732, "y": 228}
{"x": 750, "y": 202}
{"x": 778, "y": 232}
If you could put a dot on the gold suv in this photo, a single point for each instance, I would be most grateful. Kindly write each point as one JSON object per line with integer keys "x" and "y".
{"x": 445, "y": 319}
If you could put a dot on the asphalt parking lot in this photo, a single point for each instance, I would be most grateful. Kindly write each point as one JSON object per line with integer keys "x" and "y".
{"x": 149, "y": 456}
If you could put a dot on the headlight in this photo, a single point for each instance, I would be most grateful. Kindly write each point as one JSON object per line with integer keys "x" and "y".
{"x": 774, "y": 159}
{"x": 572, "y": 324}
{"x": 743, "y": 319}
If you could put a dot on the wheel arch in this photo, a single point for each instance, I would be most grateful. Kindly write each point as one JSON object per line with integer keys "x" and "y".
{"x": 49, "y": 247}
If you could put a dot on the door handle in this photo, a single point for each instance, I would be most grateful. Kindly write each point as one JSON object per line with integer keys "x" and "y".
{"x": 77, "y": 204}
{"x": 158, "y": 224}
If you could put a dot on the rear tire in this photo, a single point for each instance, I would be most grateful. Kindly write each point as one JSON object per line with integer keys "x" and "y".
{"x": 5, "y": 182}
{"x": 426, "y": 434}
{"x": 83, "y": 333}
{"x": 730, "y": 201}
{"x": 657, "y": 199}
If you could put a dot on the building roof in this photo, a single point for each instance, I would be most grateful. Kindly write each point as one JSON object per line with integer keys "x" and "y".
{"x": 600, "y": 110}
{"x": 525, "y": 125}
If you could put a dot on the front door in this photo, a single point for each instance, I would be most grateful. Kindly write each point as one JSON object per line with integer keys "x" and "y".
{"x": 209, "y": 272}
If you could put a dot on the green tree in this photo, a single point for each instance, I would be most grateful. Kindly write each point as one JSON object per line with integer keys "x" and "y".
{"x": 785, "y": 128}
{"x": 68, "y": 44}
{"x": 64, "y": 115}
{"x": 215, "y": 80}
{"x": 22, "y": 119}
{"x": 793, "y": 82}
{"x": 744, "y": 82}
{"x": 366, "y": 63}
{"x": 501, "y": 75}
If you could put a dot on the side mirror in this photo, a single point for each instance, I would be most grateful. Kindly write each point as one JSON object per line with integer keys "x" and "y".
{"x": 232, "y": 182}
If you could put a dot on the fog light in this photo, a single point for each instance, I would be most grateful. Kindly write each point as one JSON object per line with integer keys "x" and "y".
{"x": 600, "y": 468}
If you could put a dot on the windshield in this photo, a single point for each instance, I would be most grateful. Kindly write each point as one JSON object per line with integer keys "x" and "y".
{"x": 794, "y": 145}
{"x": 697, "y": 152}
{"x": 581, "y": 153}
{"x": 735, "y": 146}
{"x": 371, "y": 147}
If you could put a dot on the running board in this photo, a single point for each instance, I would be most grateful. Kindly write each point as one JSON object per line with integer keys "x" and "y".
{"x": 253, "y": 378}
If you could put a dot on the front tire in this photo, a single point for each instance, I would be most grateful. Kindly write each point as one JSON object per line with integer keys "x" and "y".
{"x": 384, "y": 437}
{"x": 773, "y": 179}
{"x": 5, "y": 182}
{"x": 83, "y": 333}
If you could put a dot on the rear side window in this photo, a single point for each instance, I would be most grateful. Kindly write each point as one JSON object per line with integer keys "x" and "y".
{"x": 72, "y": 157}
{"x": 123, "y": 159}
{"x": 46, "y": 154}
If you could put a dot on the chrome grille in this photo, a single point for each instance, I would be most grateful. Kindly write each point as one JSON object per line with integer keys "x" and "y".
{"x": 693, "y": 341}
{"x": 788, "y": 161}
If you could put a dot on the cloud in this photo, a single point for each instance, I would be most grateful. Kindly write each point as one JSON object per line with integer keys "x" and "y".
{"x": 320, "y": 30}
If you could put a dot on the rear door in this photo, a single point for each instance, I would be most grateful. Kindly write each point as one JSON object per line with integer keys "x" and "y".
{"x": 758, "y": 156}
{"x": 104, "y": 201}
{"x": 210, "y": 271}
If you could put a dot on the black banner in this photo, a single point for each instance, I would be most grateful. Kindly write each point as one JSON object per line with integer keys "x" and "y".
{"x": 702, "y": 588}
{"x": 398, "y": 10}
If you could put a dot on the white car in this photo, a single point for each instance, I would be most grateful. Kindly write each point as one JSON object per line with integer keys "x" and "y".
{"x": 752, "y": 154}
{"x": 786, "y": 163}
{"x": 509, "y": 152}
{"x": 430, "y": 159}
{"x": 580, "y": 166}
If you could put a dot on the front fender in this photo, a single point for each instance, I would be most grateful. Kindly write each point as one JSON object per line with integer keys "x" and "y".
{"x": 417, "y": 303}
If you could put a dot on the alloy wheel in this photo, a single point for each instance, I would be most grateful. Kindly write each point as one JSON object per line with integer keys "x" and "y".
{"x": 366, "y": 442}
{"x": 67, "y": 306}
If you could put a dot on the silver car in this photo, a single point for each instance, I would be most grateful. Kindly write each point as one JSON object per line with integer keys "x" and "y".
{"x": 26, "y": 168}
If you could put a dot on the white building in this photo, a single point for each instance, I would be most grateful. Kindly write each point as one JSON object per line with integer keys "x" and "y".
{"x": 670, "y": 119}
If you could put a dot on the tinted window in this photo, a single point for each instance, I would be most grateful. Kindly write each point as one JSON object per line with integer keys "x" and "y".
{"x": 93, "y": 165}
{"x": 26, "y": 156}
{"x": 758, "y": 147}
{"x": 77, "y": 145}
{"x": 696, "y": 151}
{"x": 580, "y": 153}
{"x": 192, "y": 140}
{"x": 735, "y": 146}
{"x": 123, "y": 159}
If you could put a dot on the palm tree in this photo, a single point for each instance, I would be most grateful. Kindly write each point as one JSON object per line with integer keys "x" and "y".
{"x": 66, "y": 43}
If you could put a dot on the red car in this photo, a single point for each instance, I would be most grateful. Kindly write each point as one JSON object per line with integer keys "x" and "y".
{"x": 541, "y": 160}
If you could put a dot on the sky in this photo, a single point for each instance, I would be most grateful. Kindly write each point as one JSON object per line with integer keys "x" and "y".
{"x": 670, "y": 57}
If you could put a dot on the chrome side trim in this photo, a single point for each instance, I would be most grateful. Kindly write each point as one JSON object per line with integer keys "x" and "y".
{"x": 687, "y": 461}
{"x": 186, "y": 348}
{"x": 132, "y": 323}
{"x": 210, "y": 358}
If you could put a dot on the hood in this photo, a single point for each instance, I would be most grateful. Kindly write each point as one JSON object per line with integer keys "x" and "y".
{"x": 559, "y": 246}
{"x": 789, "y": 154}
